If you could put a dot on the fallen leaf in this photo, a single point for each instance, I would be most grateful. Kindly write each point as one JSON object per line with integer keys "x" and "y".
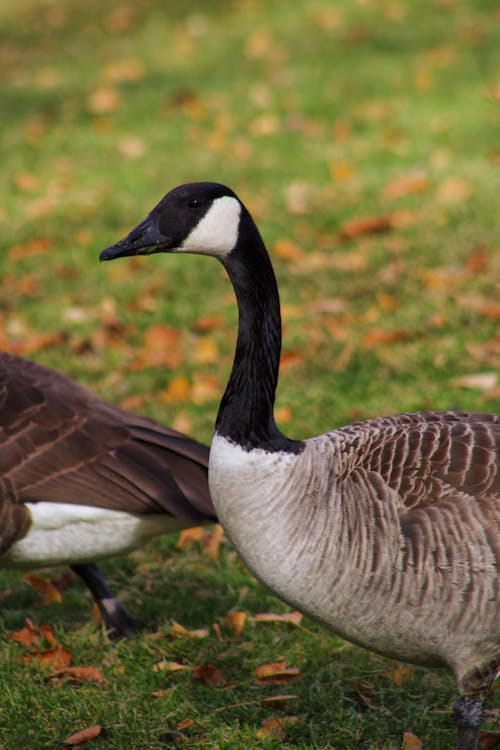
{"x": 291, "y": 358}
{"x": 368, "y": 225}
{"x": 79, "y": 674}
{"x": 191, "y": 536}
{"x": 184, "y": 724}
{"x": 411, "y": 741}
{"x": 277, "y": 673}
{"x": 58, "y": 657}
{"x": 295, "y": 618}
{"x": 409, "y": 184}
{"x": 488, "y": 740}
{"x": 453, "y": 190}
{"x": 276, "y": 700}
{"x": 379, "y": 337}
{"x": 44, "y": 587}
{"x": 182, "y": 632}
{"x": 39, "y": 246}
{"x": 84, "y": 735}
{"x": 206, "y": 351}
{"x": 170, "y": 666}
{"x": 235, "y": 621}
{"x": 177, "y": 390}
{"x": 482, "y": 381}
{"x": 285, "y": 249}
{"x": 212, "y": 545}
{"x": 27, "y": 636}
{"x": 205, "y": 388}
{"x": 209, "y": 675}
{"x": 399, "y": 675}
{"x": 210, "y": 323}
{"x": 104, "y": 100}
{"x": 276, "y": 728}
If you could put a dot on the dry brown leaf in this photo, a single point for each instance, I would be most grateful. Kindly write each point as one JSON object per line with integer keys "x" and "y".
{"x": 84, "y": 735}
{"x": 277, "y": 673}
{"x": 409, "y": 184}
{"x": 179, "y": 630}
{"x": 104, "y": 100}
{"x": 209, "y": 675}
{"x": 286, "y": 249}
{"x": 79, "y": 674}
{"x": 489, "y": 740}
{"x": 276, "y": 700}
{"x": 453, "y": 190}
{"x": 170, "y": 666}
{"x": 276, "y": 728}
{"x": 291, "y": 358}
{"x": 42, "y": 586}
{"x": 367, "y": 225}
{"x": 283, "y": 414}
{"x": 38, "y": 246}
{"x": 209, "y": 323}
{"x": 27, "y": 636}
{"x": 235, "y": 621}
{"x": 295, "y": 618}
{"x": 379, "y": 337}
{"x": 400, "y": 674}
{"x": 184, "y": 724}
{"x": 191, "y": 536}
{"x": 483, "y": 381}
{"x": 411, "y": 741}
{"x": 58, "y": 657}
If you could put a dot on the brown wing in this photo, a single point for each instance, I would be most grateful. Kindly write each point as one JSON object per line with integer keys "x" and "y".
{"x": 430, "y": 456}
{"x": 60, "y": 443}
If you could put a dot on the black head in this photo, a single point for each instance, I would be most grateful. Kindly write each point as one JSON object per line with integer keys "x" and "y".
{"x": 199, "y": 217}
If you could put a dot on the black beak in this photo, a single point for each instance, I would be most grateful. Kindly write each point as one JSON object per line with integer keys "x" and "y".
{"x": 145, "y": 239}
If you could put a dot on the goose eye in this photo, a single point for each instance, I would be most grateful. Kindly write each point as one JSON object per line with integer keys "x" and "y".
{"x": 194, "y": 203}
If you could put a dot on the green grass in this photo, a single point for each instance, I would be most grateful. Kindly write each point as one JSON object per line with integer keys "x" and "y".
{"x": 106, "y": 106}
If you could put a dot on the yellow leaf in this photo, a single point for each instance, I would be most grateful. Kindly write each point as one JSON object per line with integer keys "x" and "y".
{"x": 206, "y": 351}
{"x": 104, "y": 101}
{"x": 341, "y": 171}
{"x": 184, "y": 724}
{"x": 179, "y": 630}
{"x": 169, "y": 666}
{"x": 277, "y": 673}
{"x": 411, "y": 741}
{"x": 295, "y": 618}
{"x": 235, "y": 621}
{"x": 177, "y": 390}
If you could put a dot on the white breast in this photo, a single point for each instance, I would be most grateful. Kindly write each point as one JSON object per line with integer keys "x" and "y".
{"x": 63, "y": 533}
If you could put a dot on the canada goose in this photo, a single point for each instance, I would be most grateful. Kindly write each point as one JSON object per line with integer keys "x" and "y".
{"x": 81, "y": 480}
{"x": 386, "y": 531}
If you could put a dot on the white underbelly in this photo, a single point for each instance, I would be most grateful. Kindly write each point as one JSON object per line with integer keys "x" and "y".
{"x": 63, "y": 533}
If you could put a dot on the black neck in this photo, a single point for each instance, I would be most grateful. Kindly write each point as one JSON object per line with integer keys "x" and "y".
{"x": 246, "y": 412}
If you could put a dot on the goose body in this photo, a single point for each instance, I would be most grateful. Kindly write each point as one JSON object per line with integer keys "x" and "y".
{"x": 81, "y": 480}
{"x": 386, "y": 531}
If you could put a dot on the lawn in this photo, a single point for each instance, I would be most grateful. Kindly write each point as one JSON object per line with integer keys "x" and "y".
{"x": 363, "y": 136}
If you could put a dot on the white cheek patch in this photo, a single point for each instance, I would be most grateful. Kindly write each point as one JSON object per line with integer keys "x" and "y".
{"x": 217, "y": 232}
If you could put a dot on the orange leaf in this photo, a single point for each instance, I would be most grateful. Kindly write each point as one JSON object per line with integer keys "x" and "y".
{"x": 79, "y": 674}
{"x": 210, "y": 323}
{"x": 378, "y": 337}
{"x": 276, "y": 727}
{"x": 411, "y": 741}
{"x": 104, "y": 100}
{"x": 294, "y": 617}
{"x": 277, "y": 673}
{"x": 44, "y": 587}
{"x": 28, "y": 249}
{"x": 213, "y": 542}
{"x": 209, "y": 674}
{"x": 205, "y": 388}
{"x": 206, "y": 351}
{"x": 58, "y": 657}
{"x": 235, "y": 621}
{"x": 177, "y": 390}
{"x": 369, "y": 225}
{"x": 27, "y": 636}
{"x": 287, "y": 250}
{"x": 184, "y": 724}
{"x": 84, "y": 735}
{"x": 399, "y": 675}
{"x": 399, "y": 187}
{"x": 188, "y": 537}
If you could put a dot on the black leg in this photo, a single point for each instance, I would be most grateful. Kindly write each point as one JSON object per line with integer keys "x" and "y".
{"x": 468, "y": 714}
{"x": 114, "y": 616}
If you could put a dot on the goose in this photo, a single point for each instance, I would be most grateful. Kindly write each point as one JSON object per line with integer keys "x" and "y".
{"x": 82, "y": 480}
{"x": 386, "y": 531}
